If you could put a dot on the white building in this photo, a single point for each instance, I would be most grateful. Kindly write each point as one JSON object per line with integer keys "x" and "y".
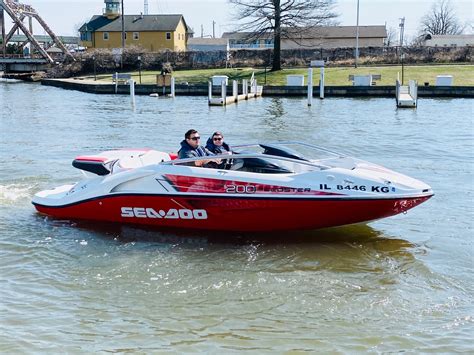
{"x": 449, "y": 40}
{"x": 198, "y": 44}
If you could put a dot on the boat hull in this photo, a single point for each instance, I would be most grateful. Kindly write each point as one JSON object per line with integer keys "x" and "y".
{"x": 231, "y": 214}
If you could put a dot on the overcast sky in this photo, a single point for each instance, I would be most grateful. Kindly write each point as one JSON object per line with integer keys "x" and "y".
{"x": 66, "y": 16}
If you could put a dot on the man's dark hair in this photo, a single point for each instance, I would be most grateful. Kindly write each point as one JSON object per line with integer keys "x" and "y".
{"x": 187, "y": 135}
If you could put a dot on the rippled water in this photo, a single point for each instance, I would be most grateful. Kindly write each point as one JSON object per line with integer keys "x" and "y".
{"x": 401, "y": 284}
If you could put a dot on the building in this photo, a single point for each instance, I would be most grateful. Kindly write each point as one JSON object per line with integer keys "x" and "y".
{"x": 311, "y": 38}
{"x": 151, "y": 32}
{"x": 449, "y": 41}
{"x": 208, "y": 44}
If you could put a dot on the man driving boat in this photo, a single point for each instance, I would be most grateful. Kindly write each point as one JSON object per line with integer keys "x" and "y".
{"x": 190, "y": 148}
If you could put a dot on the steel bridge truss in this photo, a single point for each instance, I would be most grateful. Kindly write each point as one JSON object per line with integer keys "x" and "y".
{"x": 18, "y": 12}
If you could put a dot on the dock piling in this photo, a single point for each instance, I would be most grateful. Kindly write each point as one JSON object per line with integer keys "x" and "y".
{"x": 132, "y": 91}
{"x": 321, "y": 84}
{"x": 310, "y": 86}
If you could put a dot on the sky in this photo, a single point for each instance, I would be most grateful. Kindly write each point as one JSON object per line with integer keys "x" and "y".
{"x": 65, "y": 16}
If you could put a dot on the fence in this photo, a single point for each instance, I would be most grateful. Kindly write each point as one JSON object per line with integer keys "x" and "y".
{"x": 106, "y": 62}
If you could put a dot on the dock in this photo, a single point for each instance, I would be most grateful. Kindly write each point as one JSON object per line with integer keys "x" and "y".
{"x": 247, "y": 93}
{"x": 407, "y": 95}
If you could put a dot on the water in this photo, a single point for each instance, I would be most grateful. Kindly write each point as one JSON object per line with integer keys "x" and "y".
{"x": 401, "y": 284}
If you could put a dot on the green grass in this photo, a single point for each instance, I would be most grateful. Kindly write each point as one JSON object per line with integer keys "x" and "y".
{"x": 463, "y": 75}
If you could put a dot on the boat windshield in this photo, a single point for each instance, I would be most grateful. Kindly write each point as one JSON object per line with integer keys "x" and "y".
{"x": 273, "y": 158}
{"x": 295, "y": 150}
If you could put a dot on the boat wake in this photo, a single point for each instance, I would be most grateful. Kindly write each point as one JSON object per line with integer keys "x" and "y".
{"x": 13, "y": 193}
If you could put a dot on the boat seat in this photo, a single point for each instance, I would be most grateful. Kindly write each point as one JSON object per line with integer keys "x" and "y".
{"x": 151, "y": 157}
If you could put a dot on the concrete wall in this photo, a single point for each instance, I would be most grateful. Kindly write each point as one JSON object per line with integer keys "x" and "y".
{"x": 330, "y": 91}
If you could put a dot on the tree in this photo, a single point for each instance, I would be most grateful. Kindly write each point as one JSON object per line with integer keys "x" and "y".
{"x": 282, "y": 19}
{"x": 391, "y": 36}
{"x": 441, "y": 20}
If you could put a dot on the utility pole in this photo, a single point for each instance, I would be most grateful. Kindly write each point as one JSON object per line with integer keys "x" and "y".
{"x": 123, "y": 36}
{"x": 213, "y": 29}
{"x": 145, "y": 9}
{"x": 357, "y": 37}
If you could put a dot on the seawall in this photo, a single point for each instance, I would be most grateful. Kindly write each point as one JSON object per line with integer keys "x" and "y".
{"x": 93, "y": 87}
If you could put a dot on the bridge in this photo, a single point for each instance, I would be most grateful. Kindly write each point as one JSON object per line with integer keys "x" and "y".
{"x": 44, "y": 39}
{"x": 18, "y": 13}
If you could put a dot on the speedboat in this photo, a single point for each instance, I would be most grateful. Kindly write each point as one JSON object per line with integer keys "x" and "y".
{"x": 259, "y": 187}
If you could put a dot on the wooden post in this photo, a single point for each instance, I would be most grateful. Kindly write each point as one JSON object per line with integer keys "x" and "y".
{"x": 223, "y": 91}
{"x": 321, "y": 84}
{"x": 245, "y": 88}
{"x": 235, "y": 90}
{"x": 310, "y": 86}
{"x": 132, "y": 91}
{"x": 172, "y": 87}
{"x": 210, "y": 92}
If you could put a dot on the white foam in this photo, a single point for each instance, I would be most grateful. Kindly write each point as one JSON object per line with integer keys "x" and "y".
{"x": 13, "y": 193}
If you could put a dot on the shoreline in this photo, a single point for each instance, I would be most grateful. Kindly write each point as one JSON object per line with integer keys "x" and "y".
{"x": 93, "y": 87}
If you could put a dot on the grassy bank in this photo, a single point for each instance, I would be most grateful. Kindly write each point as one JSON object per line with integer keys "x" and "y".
{"x": 463, "y": 75}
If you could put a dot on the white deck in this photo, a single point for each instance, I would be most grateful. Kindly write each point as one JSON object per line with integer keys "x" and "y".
{"x": 407, "y": 95}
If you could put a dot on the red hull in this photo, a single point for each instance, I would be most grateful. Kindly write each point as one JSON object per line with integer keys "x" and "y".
{"x": 232, "y": 214}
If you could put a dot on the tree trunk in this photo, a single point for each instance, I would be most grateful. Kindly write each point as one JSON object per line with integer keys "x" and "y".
{"x": 277, "y": 37}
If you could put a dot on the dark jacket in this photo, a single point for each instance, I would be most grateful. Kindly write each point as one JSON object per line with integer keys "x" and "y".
{"x": 224, "y": 148}
{"x": 187, "y": 151}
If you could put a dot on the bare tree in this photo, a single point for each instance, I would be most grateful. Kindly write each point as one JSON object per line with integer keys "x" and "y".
{"x": 282, "y": 19}
{"x": 391, "y": 36}
{"x": 441, "y": 20}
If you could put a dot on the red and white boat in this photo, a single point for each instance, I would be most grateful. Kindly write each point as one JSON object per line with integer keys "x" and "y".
{"x": 262, "y": 187}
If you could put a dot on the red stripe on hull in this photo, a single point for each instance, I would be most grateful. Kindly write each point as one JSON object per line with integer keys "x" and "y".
{"x": 210, "y": 185}
{"x": 238, "y": 214}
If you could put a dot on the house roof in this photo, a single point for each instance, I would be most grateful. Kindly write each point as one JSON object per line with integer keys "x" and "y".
{"x": 134, "y": 23}
{"x": 208, "y": 41}
{"x": 320, "y": 32}
{"x": 466, "y": 36}
{"x": 95, "y": 23}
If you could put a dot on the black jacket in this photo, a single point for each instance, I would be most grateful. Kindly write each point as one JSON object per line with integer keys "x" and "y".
{"x": 187, "y": 151}
{"x": 217, "y": 149}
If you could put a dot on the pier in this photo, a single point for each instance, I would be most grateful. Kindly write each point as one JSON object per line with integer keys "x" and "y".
{"x": 246, "y": 94}
{"x": 407, "y": 95}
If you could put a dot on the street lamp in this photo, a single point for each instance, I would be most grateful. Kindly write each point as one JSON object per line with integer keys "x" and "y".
{"x": 140, "y": 68}
{"x": 357, "y": 37}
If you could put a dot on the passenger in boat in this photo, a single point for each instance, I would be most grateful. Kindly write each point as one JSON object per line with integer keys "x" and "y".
{"x": 216, "y": 144}
{"x": 190, "y": 148}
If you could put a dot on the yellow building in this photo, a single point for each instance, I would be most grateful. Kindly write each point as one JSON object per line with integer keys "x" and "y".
{"x": 151, "y": 32}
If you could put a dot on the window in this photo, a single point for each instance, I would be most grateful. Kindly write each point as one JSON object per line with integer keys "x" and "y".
{"x": 136, "y": 36}
{"x": 106, "y": 36}
{"x": 168, "y": 35}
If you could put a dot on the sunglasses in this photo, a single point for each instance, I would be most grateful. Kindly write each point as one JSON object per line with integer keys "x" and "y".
{"x": 217, "y": 139}
{"x": 195, "y": 138}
